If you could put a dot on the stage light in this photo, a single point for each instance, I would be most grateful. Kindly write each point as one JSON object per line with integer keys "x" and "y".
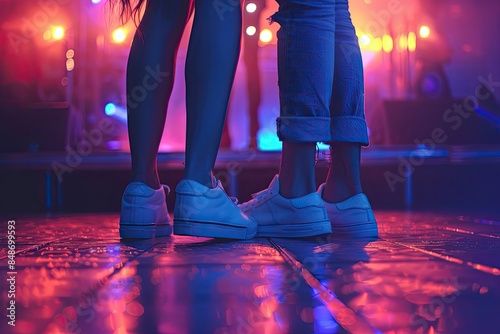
{"x": 251, "y": 30}
{"x": 251, "y": 7}
{"x": 117, "y": 112}
{"x": 58, "y": 33}
{"x": 110, "y": 109}
{"x": 266, "y": 36}
{"x": 95, "y": 2}
{"x": 424, "y": 32}
{"x": 377, "y": 44}
{"x": 387, "y": 43}
{"x": 364, "y": 40}
{"x": 119, "y": 35}
{"x": 412, "y": 41}
{"x": 488, "y": 115}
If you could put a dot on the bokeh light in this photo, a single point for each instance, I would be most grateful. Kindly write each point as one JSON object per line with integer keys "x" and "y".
{"x": 412, "y": 41}
{"x": 70, "y": 53}
{"x": 387, "y": 43}
{"x": 266, "y": 36}
{"x": 424, "y": 32}
{"x": 70, "y": 64}
{"x": 119, "y": 35}
{"x": 251, "y": 30}
{"x": 377, "y": 44}
{"x": 251, "y": 7}
{"x": 58, "y": 33}
{"x": 364, "y": 40}
{"x": 64, "y": 81}
{"x": 110, "y": 109}
{"x": 403, "y": 43}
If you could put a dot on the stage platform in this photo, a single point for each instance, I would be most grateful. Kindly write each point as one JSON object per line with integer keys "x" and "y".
{"x": 394, "y": 177}
{"x": 427, "y": 273}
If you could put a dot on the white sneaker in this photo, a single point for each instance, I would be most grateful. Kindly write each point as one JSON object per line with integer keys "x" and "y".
{"x": 208, "y": 212}
{"x": 352, "y": 218}
{"x": 278, "y": 216}
{"x": 144, "y": 212}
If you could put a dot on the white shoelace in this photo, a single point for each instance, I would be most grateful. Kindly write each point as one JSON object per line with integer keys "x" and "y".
{"x": 233, "y": 199}
{"x": 257, "y": 199}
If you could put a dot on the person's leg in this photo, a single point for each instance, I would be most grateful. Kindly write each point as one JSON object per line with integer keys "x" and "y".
{"x": 202, "y": 208}
{"x": 348, "y": 126}
{"x": 210, "y": 68}
{"x": 305, "y": 72}
{"x": 343, "y": 180}
{"x": 291, "y": 207}
{"x": 348, "y": 208}
{"x": 150, "y": 77}
{"x": 297, "y": 169}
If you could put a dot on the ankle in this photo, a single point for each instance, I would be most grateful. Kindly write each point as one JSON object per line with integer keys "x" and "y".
{"x": 152, "y": 183}
{"x": 201, "y": 178}
{"x": 344, "y": 180}
{"x": 296, "y": 191}
{"x": 297, "y": 170}
{"x": 150, "y": 178}
{"x": 339, "y": 192}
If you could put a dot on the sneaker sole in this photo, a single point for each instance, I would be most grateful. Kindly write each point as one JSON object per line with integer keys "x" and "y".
{"x": 134, "y": 231}
{"x": 212, "y": 230}
{"x": 360, "y": 230}
{"x": 295, "y": 230}
{"x": 163, "y": 230}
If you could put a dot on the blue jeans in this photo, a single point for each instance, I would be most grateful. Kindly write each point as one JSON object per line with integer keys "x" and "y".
{"x": 320, "y": 73}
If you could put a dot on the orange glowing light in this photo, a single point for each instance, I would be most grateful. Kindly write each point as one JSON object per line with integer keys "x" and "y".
{"x": 387, "y": 43}
{"x": 377, "y": 44}
{"x": 403, "y": 43}
{"x": 119, "y": 35}
{"x": 412, "y": 41}
{"x": 70, "y": 64}
{"x": 424, "y": 32}
{"x": 70, "y": 53}
{"x": 58, "y": 33}
{"x": 266, "y": 36}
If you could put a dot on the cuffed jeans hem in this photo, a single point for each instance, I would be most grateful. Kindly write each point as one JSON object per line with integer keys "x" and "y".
{"x": 303, "y": 129}
{"x": 349, "y": 129}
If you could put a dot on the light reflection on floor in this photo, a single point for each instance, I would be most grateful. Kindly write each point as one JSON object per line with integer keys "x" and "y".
{"x": 426, "y": 274}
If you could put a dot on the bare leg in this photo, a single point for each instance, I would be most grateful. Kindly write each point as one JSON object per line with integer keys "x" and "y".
{"x": 150, "y": 77}
{"x": 297, "y": 175}
{"x": 343, "y": 179}
{"x": 210, "y": 68}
